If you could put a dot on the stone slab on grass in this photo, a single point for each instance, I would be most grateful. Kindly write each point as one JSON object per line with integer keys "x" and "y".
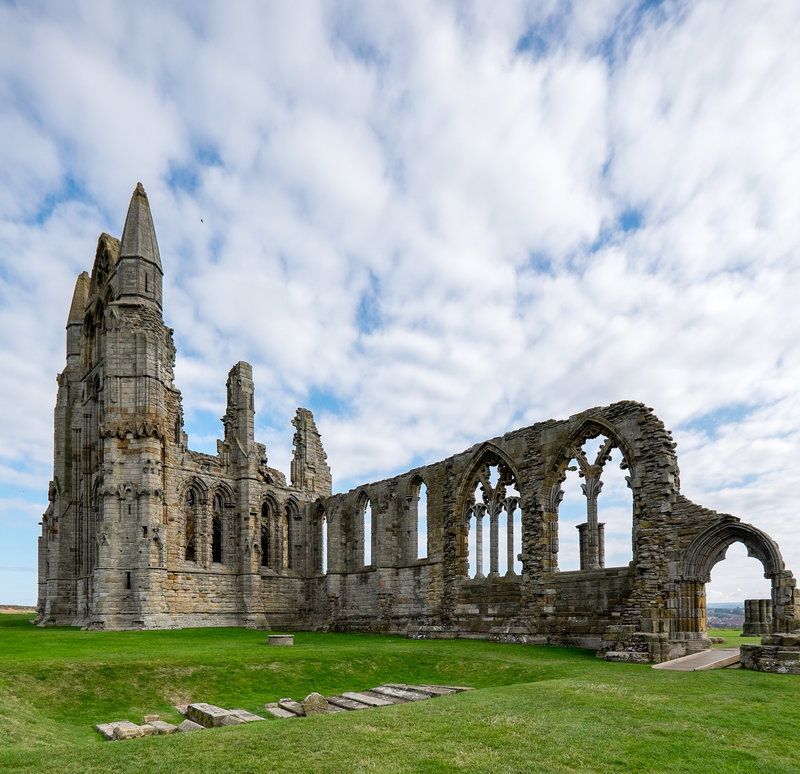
{"x": 348, "y": 704}
{"x": 163, "y": 727}
{"x": 190, "y": 725}
{"x": 365, "y": 698}
{"x": 390, "y": 699}
{"x": 208, "y": 715}
{"x": 431, "y": 690}
{"x": 278, "y": 712}
{"x": 281, "y": 639}
{"x": 401, "y": 693}
{"x": 247, "y": 717}
{"x": 290, "y": 705}
{"x": 231, "y": 720}
{"x": 128, "y": 730}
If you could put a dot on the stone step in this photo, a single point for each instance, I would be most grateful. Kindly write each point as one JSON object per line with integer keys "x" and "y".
{"x": 278, "y": 712}
{"x": 431, "y": 690}
{"x": 247, "y": 717}
{"x": 390, "y": 699}
{"x": 348, "y": 704}
{"x": 367, "y": 698}
{"x": 401, "y": 693}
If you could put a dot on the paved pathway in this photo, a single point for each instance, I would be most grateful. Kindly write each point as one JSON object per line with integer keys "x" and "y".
{"x": 713, "y": 658}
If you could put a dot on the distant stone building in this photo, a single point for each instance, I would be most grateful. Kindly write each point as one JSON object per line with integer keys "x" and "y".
{"x": 142, "y": 532}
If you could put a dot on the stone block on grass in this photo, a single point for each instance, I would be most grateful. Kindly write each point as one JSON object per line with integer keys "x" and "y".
{"x": 190, "y": 725}
{"x": 247, "y": 717}
{"x": 315, "y": 704}
{"x": 208, "y": 715}
{"x": 163, "y": 727}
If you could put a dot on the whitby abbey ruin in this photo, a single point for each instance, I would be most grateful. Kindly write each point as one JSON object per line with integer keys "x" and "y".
{"x": 142, "y": 532}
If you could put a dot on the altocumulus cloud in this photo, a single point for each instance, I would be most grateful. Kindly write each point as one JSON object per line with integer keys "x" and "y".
{"x": 429, "y": 222}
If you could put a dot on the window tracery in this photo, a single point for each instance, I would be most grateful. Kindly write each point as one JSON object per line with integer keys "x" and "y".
{"x": 494, "y": 502}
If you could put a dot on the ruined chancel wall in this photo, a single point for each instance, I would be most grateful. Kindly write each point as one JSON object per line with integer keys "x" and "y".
{"x": 141, "y": 531}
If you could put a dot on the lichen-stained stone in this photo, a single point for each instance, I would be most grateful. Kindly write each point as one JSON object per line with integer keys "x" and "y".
{"x": 150, "y": 718}
{"x": 127, "y": 730}
{"x": 315, "y": 704}
{"x": 291, "y": 706}
{"x": 207, "y": 715}
{"x": 189, "y": 725}
{"x": 107, "y": 729}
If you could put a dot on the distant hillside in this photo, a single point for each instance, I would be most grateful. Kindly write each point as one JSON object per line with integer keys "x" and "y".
{"x": 721, "y": 615}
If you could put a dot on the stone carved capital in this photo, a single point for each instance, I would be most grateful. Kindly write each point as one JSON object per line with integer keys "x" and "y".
{"x": 554, "y": 497}
{"x": 591, "y": 488}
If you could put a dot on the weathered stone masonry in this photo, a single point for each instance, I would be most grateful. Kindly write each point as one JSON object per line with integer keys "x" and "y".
{"x": 143, "y": 532}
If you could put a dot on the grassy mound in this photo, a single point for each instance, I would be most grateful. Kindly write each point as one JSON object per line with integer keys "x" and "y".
{"x": 538, "y": 708}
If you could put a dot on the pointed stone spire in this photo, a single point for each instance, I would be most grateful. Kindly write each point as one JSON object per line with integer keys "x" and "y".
{"x": 77, "y": 310}
{"x": 139, "y": 273}
{"x": 139, "y": 236}
{"x": 80, "y": 297}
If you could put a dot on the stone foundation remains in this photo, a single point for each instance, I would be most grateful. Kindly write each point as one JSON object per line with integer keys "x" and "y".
{"x": 143, "y": 532}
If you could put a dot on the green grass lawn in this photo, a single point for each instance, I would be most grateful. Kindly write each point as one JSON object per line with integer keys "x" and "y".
{"x": 537, "y": 709}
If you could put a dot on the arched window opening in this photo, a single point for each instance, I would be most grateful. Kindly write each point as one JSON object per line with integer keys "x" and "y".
{"x": 735, "y": 580}
{"x": 320, "y": 558}
{"x": 494, "y": 522}
{"x": 417, "y": 525}
{"x": 365, "y": 513}
{"x": 264, "y": 532}
{"x": 287, "y": 554}
{"x": 422, "y": 521}
{"x": 595, "y": 527}
{"x": 216, "y": 529}
{"x": 190, "y": 532}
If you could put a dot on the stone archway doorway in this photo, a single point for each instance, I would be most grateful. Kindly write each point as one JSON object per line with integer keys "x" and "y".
{"x": 706, "y": 550}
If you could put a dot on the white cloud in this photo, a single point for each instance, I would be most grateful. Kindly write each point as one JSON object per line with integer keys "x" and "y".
{"x": 395, "y": 208}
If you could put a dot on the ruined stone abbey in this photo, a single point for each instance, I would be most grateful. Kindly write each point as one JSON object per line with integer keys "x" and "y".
{"x": 143, "y": 532}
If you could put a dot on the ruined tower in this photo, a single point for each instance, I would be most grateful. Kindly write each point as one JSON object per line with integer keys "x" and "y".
{"x": 141, "y": 531}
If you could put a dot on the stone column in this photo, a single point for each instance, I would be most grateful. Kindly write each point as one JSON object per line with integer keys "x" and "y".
{"x": 479, "y": 511}
{"x": 510, "y": 504}
{"x": 494, "y": 538}
{"x": 590, "y": 546}
{"x": 757, "y": 617}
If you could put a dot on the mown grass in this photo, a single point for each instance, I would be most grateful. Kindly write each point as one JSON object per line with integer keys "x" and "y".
{"x": 537, "y": 708}
{"x": 733, "y": 638}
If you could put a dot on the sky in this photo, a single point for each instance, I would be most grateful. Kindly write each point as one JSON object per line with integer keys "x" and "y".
{"x": 429, "y": 222}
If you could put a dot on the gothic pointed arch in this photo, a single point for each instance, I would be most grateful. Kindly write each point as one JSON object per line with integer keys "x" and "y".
{"x": 363, "y": 529}
{"x": 710, "y": 546}
{"x": 265, "y": 543}
{"x": 591, "y": 427}
{"x": 489, "y": 500}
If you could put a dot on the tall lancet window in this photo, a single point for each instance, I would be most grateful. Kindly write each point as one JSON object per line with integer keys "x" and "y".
{"x": 264, "y": 532}
{"x": 190, "y": 530}
{"x": 216, "y": 529}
